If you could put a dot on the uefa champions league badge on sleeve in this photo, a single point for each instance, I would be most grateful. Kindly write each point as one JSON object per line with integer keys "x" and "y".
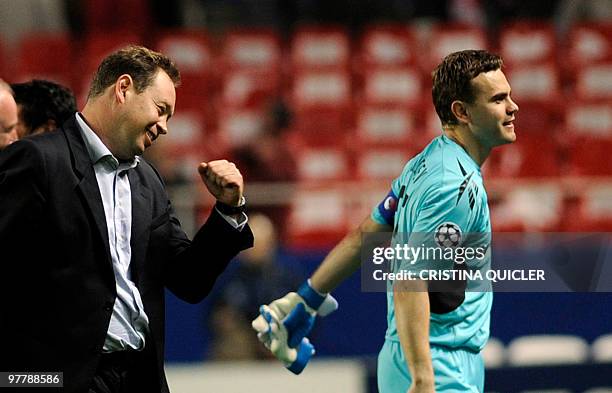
{"x": 447, "y": 235}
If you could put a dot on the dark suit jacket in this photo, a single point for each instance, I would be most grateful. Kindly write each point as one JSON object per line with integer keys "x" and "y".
{"x": 57, "y": 286}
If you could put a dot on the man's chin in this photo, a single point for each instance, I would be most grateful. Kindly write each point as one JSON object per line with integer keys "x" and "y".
{"x": 130, "y": 154}
{"x": 504, "y": 140}
{"x": 507, "y": 137}
{"x": 140, "y": 149}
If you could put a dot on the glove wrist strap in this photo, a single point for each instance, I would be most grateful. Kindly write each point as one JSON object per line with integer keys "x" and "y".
{"x": 311, "y": 297}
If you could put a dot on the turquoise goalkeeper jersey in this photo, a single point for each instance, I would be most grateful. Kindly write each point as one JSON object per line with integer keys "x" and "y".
{"x": 441, "y": 190}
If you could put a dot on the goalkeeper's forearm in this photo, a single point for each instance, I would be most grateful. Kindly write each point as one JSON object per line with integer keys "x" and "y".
{"x": 296, "y": 311}
{"x": 344, "y": 259}
{"x": 411, "y": 302}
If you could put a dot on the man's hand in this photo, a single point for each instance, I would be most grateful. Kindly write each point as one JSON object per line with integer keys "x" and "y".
{"x": 223, "y": 180}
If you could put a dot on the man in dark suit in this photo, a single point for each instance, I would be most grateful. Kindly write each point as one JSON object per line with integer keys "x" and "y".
{"x": 89, "y": 240}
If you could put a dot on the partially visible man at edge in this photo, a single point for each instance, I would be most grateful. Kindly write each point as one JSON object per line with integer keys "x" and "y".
{"x": 8, "y": 115}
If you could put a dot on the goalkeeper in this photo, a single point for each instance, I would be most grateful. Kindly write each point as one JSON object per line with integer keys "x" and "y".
{"x": 434, "y": 338}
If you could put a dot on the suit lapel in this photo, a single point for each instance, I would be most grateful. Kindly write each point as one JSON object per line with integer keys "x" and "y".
{"x": 142, "y": 211}
{"x": 88, "y": 184}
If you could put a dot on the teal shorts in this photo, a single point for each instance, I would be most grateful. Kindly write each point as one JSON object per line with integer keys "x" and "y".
{"x": 455, "y": 370}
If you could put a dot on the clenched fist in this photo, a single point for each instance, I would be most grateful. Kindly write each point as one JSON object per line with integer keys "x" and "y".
{"x": 223, "y": 180}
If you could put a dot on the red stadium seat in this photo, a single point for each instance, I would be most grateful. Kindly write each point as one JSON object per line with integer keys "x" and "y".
{"x": 387, "y": 125}
{"x": 589, "y": 118}
{"x": 396, "y": 126}
{"x": 195, "y": 92}
{"x": 590, "y": 210}
{"x": 114, "y": 15}
{"x": 537, "y": 82}
{"x": 589, "y": 44}
{"x": 322, "y": 104}
{"x": 536, "y": 89}
{"x": 539, "y": 118}
{"x": 249, "y": 88}
{"x": 254, "y": 49}
{"x": 594, "y": 81}
{"x": 251, "y": 68}
{"x": 318, "y": 217}
{"x": 322, "y": 164}
{"x": 323, "y": 127}
{"x": 393, "y": 85}
{"x": 240, "y": 126}
{"x": 532, "y": 155}
{"x": 34, "y": 53}
{"x": 320, "y": 47}
{"x": 190, "y": 50}
{"x": 521, "y": 209}
{"x": 528, "y": 43}
{"x": 321, "y": 214}
{"x": 188, "y": 134}
{"x": 389, "y": 45}
{"x": 378, "y": 163}
{"x": 446, "y": 39}
{"x": 195, "y": 95}
{"x": 321, "y": 89}
{"x": 187, "y": 144}
{"x": 596, "y": 208}
{"x": 589, "y": 156}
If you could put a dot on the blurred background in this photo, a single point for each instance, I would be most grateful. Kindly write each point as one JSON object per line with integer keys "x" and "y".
{"x": 320, "y": 103}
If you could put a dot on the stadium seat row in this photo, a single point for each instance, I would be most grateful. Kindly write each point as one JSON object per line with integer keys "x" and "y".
{"x": 322, "y": 213}
{"x": 322, "y": 69}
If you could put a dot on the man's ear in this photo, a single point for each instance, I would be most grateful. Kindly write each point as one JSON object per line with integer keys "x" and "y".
{"x": 460, "y": 111}
{"x": 123, "y": 84}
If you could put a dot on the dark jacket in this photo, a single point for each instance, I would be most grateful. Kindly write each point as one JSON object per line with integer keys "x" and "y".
{"x": 57, "y": 286}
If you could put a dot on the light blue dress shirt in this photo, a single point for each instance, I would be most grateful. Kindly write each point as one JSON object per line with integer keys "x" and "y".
{"x": 129, "y": 322}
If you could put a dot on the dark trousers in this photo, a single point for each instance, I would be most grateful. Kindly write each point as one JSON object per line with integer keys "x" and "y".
{"x": 119, "y": 372}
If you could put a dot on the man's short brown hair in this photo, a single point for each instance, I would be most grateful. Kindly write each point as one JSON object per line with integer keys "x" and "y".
{"x": 140, "y": 63}
{"x": 452, "y": 79}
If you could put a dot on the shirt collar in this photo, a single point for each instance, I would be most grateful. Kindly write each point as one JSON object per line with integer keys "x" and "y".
{"x": 461, "y": 151}
{"x": 97, "y": 149}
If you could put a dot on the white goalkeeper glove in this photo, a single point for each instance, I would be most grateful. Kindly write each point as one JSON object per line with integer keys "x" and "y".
{"x": 299, "y": 320}
{"x": 297, "y": 311}
{"x": 275, "y": 339}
